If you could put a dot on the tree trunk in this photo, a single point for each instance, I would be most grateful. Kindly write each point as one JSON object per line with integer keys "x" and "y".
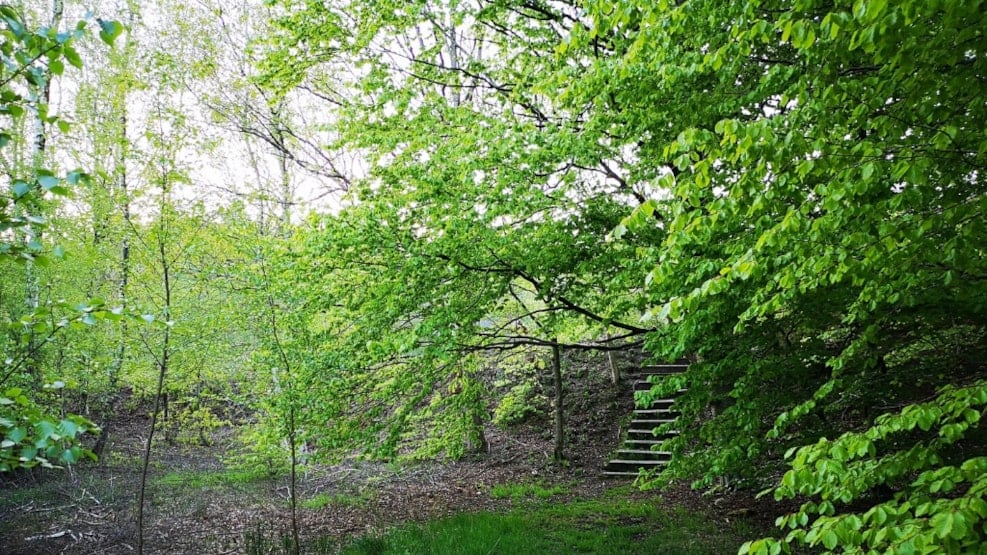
{"x": 32, "y": 289}
{"x": 291, "y": 431}
{"x": 120, "y": 154}
{"x": 614, "y": 369}
{"x": 559, "y": 454}
{"x": 163, "y": 361}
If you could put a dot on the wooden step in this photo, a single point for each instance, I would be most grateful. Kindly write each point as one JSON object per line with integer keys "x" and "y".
{"x": 670, "y": 415}
{"x": 662, "y": 408}
{"x": 633, "y": 466}
{"x": 641, "y": 447}
{"x": 633, "y": 442}
{"x": 653, "y": 422}
{"x": 650, "y": 432}
{"x": 661, "y": 404}
{"x": 638, "y": 462}
{"x": 663, "y": 369}
{"x": 648, "y": 452}
{"x": 656, "y": 411}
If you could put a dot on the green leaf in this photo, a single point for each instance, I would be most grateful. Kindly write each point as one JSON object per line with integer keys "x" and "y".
{"x": 17, "y": 435}
{"x": 74, "y": 177}
{"x": 875, "y": 8}
{"x": 56, "y": 67}
{"x": 830, "y": 539}
{"x": 942, "y": 524}
{"x": 787, "y": 31}
{"x": 46, "y": 430}
{"x": 48, "y": 182}
{"x": 109, "y": 31}
{"x": 867, "y": 171}
{"x": 20, "y": 188}
{"x": 70, "y": 455}
{"x": 69, "y": 428}
{"x": 14, "y": 24}
{"x": 28, "y": 453}
{"x": 72, "y": 56}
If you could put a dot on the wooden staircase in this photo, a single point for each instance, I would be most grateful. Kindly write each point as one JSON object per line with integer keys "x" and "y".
{"x": 640, "y": 449}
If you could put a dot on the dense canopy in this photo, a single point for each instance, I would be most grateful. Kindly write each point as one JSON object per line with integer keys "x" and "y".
{"x": 788, "y": 193}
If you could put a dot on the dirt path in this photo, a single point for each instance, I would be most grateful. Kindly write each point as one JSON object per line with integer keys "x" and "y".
{"x": 197, "y": 506}
{"x": 91, "y": 510}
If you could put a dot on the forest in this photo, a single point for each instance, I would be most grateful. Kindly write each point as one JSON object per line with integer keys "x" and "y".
{"x": 384, "y": 230}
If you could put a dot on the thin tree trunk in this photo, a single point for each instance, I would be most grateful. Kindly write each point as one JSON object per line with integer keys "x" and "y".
{"x": 284, "y": 223}
{"x": 453, "y": 49}
{"x": 32, "y": 290}
{"x": 291, "y": 433}
{"x": 614, "y": 369}
{"x": 293, "y": 475}
{"x": 162, "y": 371}
{"x": 120, "y": 152}
{"x": 559, "y": 454}
{"x": 286, "y": 196}
{"x": 120, "y": 352}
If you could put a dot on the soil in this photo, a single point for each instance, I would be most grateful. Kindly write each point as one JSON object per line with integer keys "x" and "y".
{"x": 90, "y": 508}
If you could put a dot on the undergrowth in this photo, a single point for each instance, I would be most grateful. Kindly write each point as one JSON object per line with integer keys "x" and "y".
{"x": 609, "y": 526}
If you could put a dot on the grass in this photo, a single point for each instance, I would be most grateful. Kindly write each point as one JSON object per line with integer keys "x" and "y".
{"x": 608, "y": 526}
{"x": 518, "y": 491}
{"x": 323, "y": 500}
{"x": 190, "y": 491}
{"x": 199, "y": 479}
{"x": 615, "y": 523}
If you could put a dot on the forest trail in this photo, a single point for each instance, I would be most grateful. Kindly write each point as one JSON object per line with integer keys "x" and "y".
{"x": 198, "y": 505}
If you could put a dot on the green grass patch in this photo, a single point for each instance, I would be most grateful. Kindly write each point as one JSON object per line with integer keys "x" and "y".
{"x": 608, "y": 526}
{"x": 323, "y": 500}
{"x": 199, "y": 479}
{"x": 539, "y": 490}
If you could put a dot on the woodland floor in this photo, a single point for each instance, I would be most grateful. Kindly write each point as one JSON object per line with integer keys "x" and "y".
{"x": 196, "y": 506}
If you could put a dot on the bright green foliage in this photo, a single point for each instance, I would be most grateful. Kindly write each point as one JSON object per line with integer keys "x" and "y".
{"x": 29, "y": 58}
{"x": 480, "y": 228}
{"x": 825, "y": 251}
{"x": 790, "y": 192}
{"x": 516, "y": 406}
{"x": 938, "y": 501}
{"x": 29, "y": 437}
{"x": 517, "y": 383}
{"x": 26, "y": 57}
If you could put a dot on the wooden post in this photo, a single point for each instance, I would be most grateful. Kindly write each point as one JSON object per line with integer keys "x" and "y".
{"x": 614, "y": 370}
{"x": 559, "y": 454}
